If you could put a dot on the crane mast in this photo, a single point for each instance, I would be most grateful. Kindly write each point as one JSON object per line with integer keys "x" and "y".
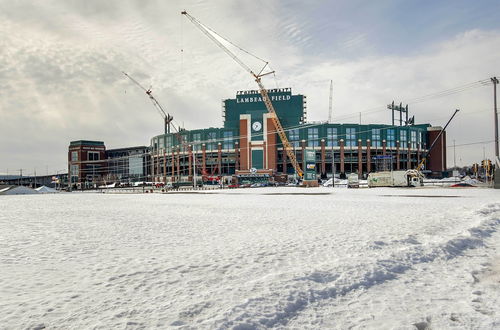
{"x": 287, "y": 147}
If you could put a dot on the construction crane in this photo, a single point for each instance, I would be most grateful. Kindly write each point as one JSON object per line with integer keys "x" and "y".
{"x": 426, "y": 156}
{"x": 287, "y": 147}
{"x": 330, "y": 106}
{"x": 167, "y": 118}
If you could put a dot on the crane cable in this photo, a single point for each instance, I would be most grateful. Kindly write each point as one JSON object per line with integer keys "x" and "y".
{"x": 227, "y": 40}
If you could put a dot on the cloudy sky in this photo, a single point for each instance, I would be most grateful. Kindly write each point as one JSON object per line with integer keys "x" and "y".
{"x": 61, "y": 63}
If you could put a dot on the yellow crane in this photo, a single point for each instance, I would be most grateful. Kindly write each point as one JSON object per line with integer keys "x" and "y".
{"x": 287, "y": 147}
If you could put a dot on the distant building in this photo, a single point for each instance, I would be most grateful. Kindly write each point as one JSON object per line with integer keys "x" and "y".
{"x": 128, "y": 164}
{"x": 86, "y": 161}
{"x": 90, "y": 163}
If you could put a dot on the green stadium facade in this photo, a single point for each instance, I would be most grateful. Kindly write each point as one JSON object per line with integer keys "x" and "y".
{"x": 247, "y": 144}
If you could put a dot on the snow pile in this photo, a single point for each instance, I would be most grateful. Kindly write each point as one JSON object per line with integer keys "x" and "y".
{"x": 46, "y": 190}
{"x": 17, "y": 190}
{"x": 252, "y": 258}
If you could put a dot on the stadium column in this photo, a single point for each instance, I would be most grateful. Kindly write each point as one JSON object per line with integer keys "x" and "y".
{"x": 384, "y": 147}
{"x": 164, "y": 166}
{"x": 418, "y": 153}
{"x": 203, "y": 159}
{"x": 153, "y": 166}
{"x": 408, "y": 157}
{"x": 398, "y": 165}
{"x": 368, "y": 157}
{"x": 245, "y": 153}
{"x": 178, "y": 164}
{"x": 323, "y": 163}
{"x": 271, "y": 145}
{"x": 342, "y": 169}
{"x": 264, "y": 155}
{"x": 219, "y": 157}
{"x": 190, "y": 162}
{"x": 303, "y": 142}
{"x": 173, "y": 164}
{"x": 360, "y": 159}
{"x": 236, "y": 156}
{"x": 283, "y": 154}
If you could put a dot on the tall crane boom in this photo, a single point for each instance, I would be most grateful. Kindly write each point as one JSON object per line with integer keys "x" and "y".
{"x": 167, "y": 118}
{"x": 426, "y": 156}
{"x": 287, "y": 147}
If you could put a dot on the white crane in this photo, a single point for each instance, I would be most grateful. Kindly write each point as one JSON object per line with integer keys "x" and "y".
{"x": 287, "y": 147}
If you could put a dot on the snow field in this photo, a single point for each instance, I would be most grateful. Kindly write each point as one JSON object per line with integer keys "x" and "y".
{"x": 252, "y": 258}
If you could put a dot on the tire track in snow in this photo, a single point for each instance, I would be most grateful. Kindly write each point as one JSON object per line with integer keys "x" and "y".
{"x": 299, "y": 293}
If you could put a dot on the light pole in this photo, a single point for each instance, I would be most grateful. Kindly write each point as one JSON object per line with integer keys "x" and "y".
{"x": 494, "y": 80}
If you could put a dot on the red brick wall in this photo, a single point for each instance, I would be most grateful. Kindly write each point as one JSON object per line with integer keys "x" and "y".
{"x": 244, "y": 161}
{"x": 436, "y": 160}
{"x": 271, "y": 145}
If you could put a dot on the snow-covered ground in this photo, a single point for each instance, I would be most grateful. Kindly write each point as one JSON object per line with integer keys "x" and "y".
{"x": 252, "y": 258}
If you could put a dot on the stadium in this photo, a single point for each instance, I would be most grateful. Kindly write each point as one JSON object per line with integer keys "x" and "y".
{"x": 247, "y": 148}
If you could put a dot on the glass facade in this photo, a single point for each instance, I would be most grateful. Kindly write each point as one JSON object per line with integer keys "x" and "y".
{"x": 391, "y": 138}
{"x": 331, "y": 137}
{"x": 413, "y": 136}
{"x": 228, "y": 140}
{"x": 350, "y": 137}
{"x": 403, "y": 139}
{"x": 211, "y": 144}
{"x": 312, "y": 137}
{"x": 376, "y": 139}
{"x": 294, "y": 137}
{"x": 197, "y": 141}
{"x": 161, "y": 144}
{"x": 168, "y": 145}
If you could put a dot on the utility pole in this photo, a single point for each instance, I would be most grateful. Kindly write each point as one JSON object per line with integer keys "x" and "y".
{"x": 484, "y": 165}
{"x": 194, "y": 169}
{"x": 392, "y": 108}
{"x": 333, "y": 167}
{"x": 454, "y": 156}
{"x": 494, "y": 80}
{"x": 400, "y": 114}
{"x": 360, "y": 118}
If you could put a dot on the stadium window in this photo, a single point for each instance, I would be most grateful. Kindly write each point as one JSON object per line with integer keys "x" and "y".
{"x": 74, "y": 156}
{"x": 196, "y": 141}
{"x": 211, "y": 139}
{"x": 391, "y": 138}
{"x": 312, "y": 137}
{"x": 413, "y": 135}
{"x": 403, "y": 139}
{"x": 331, "y": 137}
{"x": 294, "y": 137}
{"x": 350, "y": 136}
{"x": 376, "y": 138}
{"x": 168, "y": 143}
{"x": 162, "y": 144}
{"x": 228, "y": 140}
